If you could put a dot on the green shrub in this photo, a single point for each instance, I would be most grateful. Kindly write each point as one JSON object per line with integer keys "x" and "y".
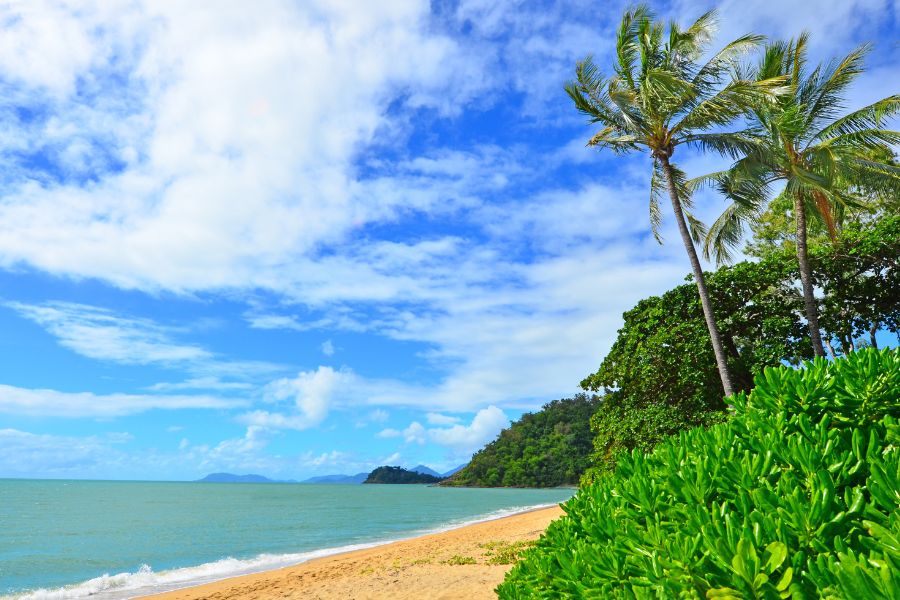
{"x": 797, "y": 496}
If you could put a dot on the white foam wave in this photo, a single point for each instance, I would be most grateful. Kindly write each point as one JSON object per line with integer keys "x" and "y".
{"x": 145, "y": 581}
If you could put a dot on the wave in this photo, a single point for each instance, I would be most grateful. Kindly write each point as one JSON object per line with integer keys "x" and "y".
{"x": 145, "y": 581}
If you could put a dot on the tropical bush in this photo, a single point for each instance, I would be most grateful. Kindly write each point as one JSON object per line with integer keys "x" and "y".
{"x": 796, "y": 496}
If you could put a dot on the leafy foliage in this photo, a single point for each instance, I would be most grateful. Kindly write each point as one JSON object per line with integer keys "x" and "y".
{"x": 797, "y": 496}
{"x": 399, "y": 475}
{"x": 860, "y": 277}
{"x": 660, "y": 375}
{"x": 542, "y": 449}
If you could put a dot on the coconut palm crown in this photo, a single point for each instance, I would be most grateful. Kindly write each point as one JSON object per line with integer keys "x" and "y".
{"x": 659, "y": 97}
{"x": 823, "y": 159}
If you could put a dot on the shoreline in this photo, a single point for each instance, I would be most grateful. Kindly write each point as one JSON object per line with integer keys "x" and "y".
{"x": 446, "y": 563}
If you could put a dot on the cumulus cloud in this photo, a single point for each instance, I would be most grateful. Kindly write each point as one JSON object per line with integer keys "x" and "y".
{"x": 465, "y": 439}
{"x": 311, "y": 395}
{"x": 414, "y": 434}
{"x": 260, "y": 111}
{"x": 328, "y": 348}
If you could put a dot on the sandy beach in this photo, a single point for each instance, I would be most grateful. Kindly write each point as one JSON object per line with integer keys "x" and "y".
{"x": 460, "y": 563}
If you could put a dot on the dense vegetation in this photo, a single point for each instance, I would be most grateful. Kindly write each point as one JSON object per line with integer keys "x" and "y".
{"x": 546, "y": 448}
{"x": 660, "y": 376}
{"x": 800, "y": 142}
{"x": 399, "y": 475}
{"x": 794, "y": 491}
{"x": 797, "y": 495}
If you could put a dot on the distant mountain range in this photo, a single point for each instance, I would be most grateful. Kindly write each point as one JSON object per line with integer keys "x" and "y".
{"x": 422, "y": 469}
{"x": 232, "y": 478}
{"x": 337, "y": 478}
{"x": 455, "y": 470}
{"x": 358, "y": 478}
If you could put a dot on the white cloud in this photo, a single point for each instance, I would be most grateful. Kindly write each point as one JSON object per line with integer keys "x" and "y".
{"x": 262, "y": 111}
{"x": 100, "y": 334}
{"x": 335, "y": 458}
{"x": 389, "y": 433}
{"x": 466, "y": 439}
{"x": 52, "y": 403}
{"x": 28, "y": 454}
{"x": 439, "y": 419}
{"x": 254, "y": 439}
{"x": 379, "y": 416}
{"x": 201, "y": 383}
{"x": 392, "y": 459}
{"x": 328, "y": 348}
{"x": 311, "y": 394}
{"x": 414, "y": 434}
{"x": 104, "y": 335}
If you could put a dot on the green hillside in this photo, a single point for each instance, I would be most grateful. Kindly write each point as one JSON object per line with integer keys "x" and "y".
{"x": 546, "y": 448}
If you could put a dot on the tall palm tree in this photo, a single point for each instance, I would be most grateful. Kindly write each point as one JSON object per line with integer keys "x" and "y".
{"x": 660, "y": 97}
{"x": 820, "y": 157}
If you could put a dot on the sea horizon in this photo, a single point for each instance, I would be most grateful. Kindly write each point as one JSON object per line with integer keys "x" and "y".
{"x": 113, "y": 539}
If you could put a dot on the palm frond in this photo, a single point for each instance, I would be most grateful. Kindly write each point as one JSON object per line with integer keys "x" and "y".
{"x": 657, "y": 187}
{"x": 627, "y": 50}
{"x": 828, "y": 93}
{"x": 696, "y": 227}
{"x": 680, "y": 183}
{"x": 862, "y": 139}
{"x": 710, "y": 74}
{"x": 609, "y": 137}
{"x": 734, "y": 145}
{"x": 747, "y": 185}
{"x": 868, "y": 117}
{"x": 732, "y": 101}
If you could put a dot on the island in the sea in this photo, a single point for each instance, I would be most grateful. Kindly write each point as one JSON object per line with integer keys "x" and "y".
{"x": 399, "y": 475}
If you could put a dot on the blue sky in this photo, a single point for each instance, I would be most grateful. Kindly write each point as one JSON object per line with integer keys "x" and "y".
{"x": 317, "y": 237}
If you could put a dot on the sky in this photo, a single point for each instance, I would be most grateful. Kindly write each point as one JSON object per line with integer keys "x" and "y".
{"x": 300, "y": 238}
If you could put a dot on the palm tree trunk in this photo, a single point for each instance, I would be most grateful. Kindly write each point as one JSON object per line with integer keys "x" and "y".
{"x": 809, "y": 300}
{"x": 714, "y": 335}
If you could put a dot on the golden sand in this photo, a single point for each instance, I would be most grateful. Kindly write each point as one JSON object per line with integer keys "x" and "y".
{"x": 435, "y": 566}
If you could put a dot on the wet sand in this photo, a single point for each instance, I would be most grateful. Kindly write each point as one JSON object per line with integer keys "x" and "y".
{"x": 451, "y": 564}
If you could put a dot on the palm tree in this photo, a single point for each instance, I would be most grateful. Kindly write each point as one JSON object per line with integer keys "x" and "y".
{"x": 820, "y": 157}
{"x": 659, "y": 98}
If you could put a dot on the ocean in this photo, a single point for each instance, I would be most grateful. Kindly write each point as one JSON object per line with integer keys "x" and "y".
{"x": 120, "y": 539}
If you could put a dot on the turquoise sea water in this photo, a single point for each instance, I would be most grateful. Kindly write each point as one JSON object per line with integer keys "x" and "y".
{"x": 116, "y": 539}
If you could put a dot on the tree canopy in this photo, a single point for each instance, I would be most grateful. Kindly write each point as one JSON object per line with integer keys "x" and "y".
{"x": 659, "y": 377}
